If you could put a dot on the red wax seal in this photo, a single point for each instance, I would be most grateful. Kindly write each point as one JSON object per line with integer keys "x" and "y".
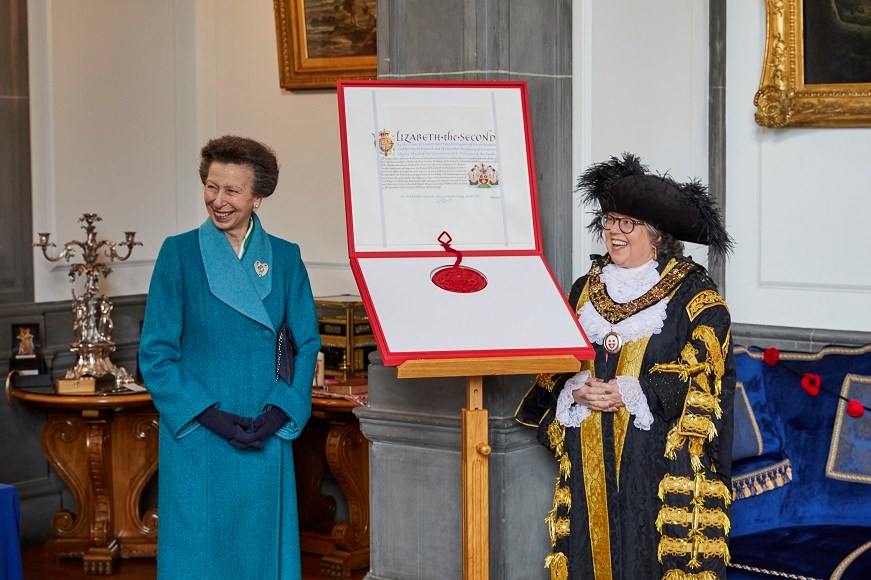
{"x": 456, "y": 278}
{"x": 459, "y": 279}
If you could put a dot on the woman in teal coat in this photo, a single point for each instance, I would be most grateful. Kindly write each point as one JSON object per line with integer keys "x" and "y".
{"x": 217, "y": 301}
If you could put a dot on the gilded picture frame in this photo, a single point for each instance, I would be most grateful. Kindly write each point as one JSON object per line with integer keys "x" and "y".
{"x": 322, "y": 41}
{"x": 819, "y": 75}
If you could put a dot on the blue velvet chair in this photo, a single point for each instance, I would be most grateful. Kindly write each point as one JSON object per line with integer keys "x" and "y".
{"x": 10, "y": 526}
{"x": 802, "y": 469}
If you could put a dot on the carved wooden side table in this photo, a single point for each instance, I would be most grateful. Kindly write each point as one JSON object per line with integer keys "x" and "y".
{"x": 105, "y": 449}
{"x": 332, "y": 439}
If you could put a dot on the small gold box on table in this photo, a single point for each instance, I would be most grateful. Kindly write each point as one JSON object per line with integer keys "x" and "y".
{"x": 80, "y": 386}
{"x": 346, "y": 336}
{"x": 352, "y": 387}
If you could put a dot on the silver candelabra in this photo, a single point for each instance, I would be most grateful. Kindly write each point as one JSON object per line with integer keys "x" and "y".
{"x": 92, "y": 311}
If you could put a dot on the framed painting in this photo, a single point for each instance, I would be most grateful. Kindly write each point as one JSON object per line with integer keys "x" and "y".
{"x": 817, "y": 67}
{"x": 321, "y": 41}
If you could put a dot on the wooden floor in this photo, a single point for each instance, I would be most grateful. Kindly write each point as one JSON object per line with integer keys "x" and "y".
{"x": 41, "y": 565}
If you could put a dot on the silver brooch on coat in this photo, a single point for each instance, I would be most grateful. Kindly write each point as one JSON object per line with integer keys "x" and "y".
{"x": 261, "y": 268}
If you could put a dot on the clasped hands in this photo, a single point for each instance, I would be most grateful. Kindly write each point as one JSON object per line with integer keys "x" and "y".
{"x": 599, "y": 396}
{"x": 243, "y": 432}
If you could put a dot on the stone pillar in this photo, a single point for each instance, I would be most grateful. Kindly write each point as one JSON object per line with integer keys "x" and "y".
{"x": 517, "y": 40}
{"x": 414, "y": 425}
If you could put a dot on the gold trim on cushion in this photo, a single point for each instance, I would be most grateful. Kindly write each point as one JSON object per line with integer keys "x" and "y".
{"x": 851, "y": 388}
{"x": 770, "y": 572}
{"x": 593, "y": 459}
{"x": 761, "y": 480}
{"x": 704, "y": 300}
{"x": 681, "y": 575}
{"x": 741, "y": 396}
{"x": 853, "y": 351}
{"x": 851, "y": 557}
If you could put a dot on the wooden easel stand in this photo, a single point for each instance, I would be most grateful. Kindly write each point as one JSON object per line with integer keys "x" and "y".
{"x": 475, "y": 446}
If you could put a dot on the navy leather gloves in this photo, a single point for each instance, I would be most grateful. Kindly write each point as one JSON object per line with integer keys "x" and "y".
{"x": 234, "y": 428}
{"x": 263, "y": 428}
{"x": 226, "y": 425}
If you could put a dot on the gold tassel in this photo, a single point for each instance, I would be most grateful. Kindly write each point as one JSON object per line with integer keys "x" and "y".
{"x": 558, "y": 564}
{"x": 556, "y": 435}
{"x": 550, "y": 519}
{"x": 565, "y": 466}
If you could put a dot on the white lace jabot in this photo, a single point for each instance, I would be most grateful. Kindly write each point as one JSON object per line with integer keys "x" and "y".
{"x": 623, "y": 285}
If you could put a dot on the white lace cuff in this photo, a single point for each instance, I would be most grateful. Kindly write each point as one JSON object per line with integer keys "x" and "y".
{"x": 635, "y": 401}
{"x": 568, "y": 412}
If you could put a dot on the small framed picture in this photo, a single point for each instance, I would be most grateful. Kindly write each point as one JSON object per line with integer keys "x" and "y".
{"x": 26, "y": 349}
{"x": 25, "y": 341}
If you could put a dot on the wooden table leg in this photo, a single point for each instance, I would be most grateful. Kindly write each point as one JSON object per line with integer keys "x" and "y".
{"x": 106, "y": 460}
{"x": 476, "y": 484}
{"x": 134, "y": 462}
{"x": 63, "y": 442}
{"x": 348, "y": 457}
{"x": 79, "y": 449}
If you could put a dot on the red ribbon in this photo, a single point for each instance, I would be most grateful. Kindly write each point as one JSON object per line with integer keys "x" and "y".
{"x": 445, "y": 240}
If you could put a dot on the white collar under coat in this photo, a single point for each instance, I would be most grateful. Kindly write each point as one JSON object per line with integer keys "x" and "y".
{"x": 623, "y": 285}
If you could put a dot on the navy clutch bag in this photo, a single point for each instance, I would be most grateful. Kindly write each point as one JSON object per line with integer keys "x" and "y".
{"x": 285, "y": 352}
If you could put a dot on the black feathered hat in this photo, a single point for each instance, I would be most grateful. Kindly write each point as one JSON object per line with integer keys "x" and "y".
{"x": 683, "y": 210}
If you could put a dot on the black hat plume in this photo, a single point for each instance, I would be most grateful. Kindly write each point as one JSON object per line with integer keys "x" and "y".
{"x": 683, "y": 210}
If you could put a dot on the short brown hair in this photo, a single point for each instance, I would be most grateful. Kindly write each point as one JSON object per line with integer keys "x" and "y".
{"x": 243, "y": 151}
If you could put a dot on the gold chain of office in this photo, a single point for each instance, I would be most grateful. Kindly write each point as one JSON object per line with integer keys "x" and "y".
{"x": 614, "y": 312}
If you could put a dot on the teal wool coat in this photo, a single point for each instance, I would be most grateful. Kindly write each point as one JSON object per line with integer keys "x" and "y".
{"x": 209, "y": 339}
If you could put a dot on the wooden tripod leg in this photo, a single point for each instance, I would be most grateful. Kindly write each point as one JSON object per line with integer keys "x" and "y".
{"x": 476, "y": 499}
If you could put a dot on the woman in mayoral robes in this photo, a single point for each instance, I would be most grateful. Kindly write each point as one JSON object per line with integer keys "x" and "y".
{"x": 642, "y": 435}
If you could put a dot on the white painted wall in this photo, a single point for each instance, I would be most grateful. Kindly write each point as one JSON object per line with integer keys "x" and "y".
{"x": 124, "y": 94}
{"x": 641, "y": 74}
{"x": 797, "y": 204}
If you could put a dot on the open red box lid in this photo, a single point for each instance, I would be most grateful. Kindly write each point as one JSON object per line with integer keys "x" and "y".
{"x": 424, "y": 159}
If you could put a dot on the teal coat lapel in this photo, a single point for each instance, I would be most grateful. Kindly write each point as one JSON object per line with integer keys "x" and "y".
{"x": 236, "y": 282}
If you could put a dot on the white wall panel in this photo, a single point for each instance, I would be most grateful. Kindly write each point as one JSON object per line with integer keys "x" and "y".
{"x": 308, "y": 206}
{"x": 123, "y": 96}
{"x": 796, "y": 202}
{"x": 105, "y": 103}
{"x": 640, "y": 86}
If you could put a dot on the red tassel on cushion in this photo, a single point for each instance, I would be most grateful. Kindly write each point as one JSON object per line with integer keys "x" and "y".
{"x": 770, "y": 356}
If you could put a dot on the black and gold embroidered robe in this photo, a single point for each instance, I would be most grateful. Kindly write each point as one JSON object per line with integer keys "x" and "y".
{"x": 634, "y": 504}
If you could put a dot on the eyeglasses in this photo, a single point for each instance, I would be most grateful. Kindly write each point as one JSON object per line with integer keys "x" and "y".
{"x": 626, "y": 224}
